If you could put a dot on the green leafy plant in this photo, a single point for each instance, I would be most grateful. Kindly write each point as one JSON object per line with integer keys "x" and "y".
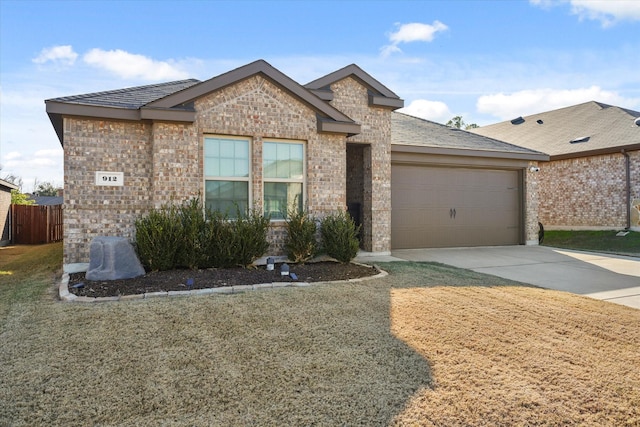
{"x": 190, "y": 236}
{"x": 18, "y": 198}
{"x": 300, "y": 244}
{"x": 340, "y": 236}
{"x": 218, "y": 247}
{"x": 191, "y": 251}
{"x": 156, "y": 238}
{"x": 250, "y": 236}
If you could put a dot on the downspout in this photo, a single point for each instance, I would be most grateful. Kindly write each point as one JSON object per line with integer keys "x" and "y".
{"x": 627, "y": 165}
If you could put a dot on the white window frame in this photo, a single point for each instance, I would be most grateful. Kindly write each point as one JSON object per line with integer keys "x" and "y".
{"x": 302, "y": 180}
{"x": 247, "y": 179}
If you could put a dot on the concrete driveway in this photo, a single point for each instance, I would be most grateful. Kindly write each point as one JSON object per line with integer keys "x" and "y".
{"x": 606, "y": 277}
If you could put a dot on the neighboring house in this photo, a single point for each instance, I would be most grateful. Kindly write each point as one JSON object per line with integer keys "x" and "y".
{"x": 593, "y": 178}
{"x": 256, "y": 138}
{"x": 46, "y": 200}
{"x": 5, "y": 211}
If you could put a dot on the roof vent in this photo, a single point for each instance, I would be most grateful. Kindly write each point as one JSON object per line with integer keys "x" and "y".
{"x": 517, "y": 121}
{"x": 579, "y": 140}
{"x": 539, "y": 121}
{"x": 637, "y": 121}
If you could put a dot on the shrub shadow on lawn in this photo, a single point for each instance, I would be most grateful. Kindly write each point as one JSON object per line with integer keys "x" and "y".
{"x": 409, "y": 274}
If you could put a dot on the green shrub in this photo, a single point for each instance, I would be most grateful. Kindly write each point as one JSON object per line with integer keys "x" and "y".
{"x": 250, "y": 236}
{"x": 219, "y": 247}
{"x": 300, "y": 244}
{"x": 340, "y": 236}
{"x": 156, "y": 238}
{"x": 191, "y": 252}
{"x": 190, "y": 236}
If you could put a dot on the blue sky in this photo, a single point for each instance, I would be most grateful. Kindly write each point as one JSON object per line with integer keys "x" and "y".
{"x": 488, "y": 61}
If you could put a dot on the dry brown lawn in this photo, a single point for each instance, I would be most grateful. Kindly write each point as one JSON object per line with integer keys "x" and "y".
{"x": 414, "y": 348}
{"x": 520, "y": 356}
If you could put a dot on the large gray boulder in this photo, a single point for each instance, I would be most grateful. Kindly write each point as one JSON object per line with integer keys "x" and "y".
{"x": 112, "y": 258}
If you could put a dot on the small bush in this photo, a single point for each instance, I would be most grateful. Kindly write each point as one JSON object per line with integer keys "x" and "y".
{"x": 189, "y": 236}
{"x": 250, "y": 237}
{"x": 300, "y": 243}
{"x": 191, "y": 245}
{"x": 340, "y": 236}
{"x": 156, "y": 238}
{"x": 219, "y": 247}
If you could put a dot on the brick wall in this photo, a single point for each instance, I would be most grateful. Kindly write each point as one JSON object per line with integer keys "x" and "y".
{"x": 163, "y": 162}
{"x": 177, "y": 163}
{"x": 588, "y": 192}
{"x": 634, "y": 158}
{"x": 90, "y": 210}
{"x": 532, "y": 204}
{"x": 352, "y": 99}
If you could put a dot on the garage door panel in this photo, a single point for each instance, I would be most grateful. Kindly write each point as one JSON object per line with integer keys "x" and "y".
{"x": 486, "y": 204}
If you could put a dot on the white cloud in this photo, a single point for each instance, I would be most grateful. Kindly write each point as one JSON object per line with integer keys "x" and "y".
{"x": 526, "y": 102}
{"x": 129, "y": 65}
{"x": 57, "y": 54}
{"x": 41, "y": 166}
{"x": 608, "y": 12}
{"x": 12, "y": 155}
{"x": 416, "y": 32}
{"x": 435, "y": 111}
{"x": 412, "y": 32}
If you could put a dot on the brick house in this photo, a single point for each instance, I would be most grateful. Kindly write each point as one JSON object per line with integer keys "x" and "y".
{"x": 593, "y": 178}
{"x": 5, "y": 211}
{"x": 256, "y": 138}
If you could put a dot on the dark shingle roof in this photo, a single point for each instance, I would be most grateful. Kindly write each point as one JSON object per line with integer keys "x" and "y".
{"x": 174, "y": 101}
{"x": 409, "y": 130}
{"x": 46, "y": 200}
{"x": 607, "y": 127}
{"x": 131, "y": 98}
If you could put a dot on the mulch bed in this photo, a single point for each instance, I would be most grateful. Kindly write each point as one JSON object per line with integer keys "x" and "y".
{"x": 177, "y": 280}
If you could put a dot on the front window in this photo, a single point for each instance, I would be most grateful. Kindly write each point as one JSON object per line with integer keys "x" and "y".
{"x": 226, "y": 169}
{"x": 283, "y": 176}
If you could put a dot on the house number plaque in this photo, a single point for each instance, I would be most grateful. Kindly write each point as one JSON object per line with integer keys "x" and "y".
{"x": 110, "y": 179}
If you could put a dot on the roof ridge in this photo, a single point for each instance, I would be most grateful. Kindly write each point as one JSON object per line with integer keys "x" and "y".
{"x": 352, "y": 70}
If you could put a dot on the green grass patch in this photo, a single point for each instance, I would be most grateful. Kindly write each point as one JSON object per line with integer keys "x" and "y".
{"x": 598, "y": 241}
{"x": 26, "y": 271}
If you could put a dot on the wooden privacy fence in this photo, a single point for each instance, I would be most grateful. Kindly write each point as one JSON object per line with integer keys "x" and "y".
{"x": 36, "y": 224}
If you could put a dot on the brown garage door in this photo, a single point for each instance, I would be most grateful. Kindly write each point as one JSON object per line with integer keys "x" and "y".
{"x": 448, "y": 207}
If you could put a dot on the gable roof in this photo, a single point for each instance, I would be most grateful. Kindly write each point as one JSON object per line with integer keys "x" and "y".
{"x": 410, "y": 133}
{"x": 119, "y": 104}
{"x": 379, "y": 94}
{"x": 7, "y": 186}
{"x": 581, "y": 130}
{"x": 173, "y": 101}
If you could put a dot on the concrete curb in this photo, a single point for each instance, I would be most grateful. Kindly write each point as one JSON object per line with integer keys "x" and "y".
{"x": 66, "y": 296}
